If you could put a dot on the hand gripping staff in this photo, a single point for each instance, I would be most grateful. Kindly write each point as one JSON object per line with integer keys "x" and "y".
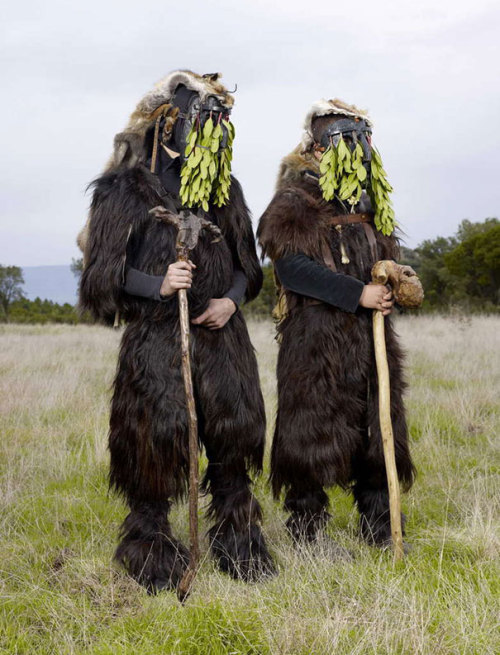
{"x": 408, "y": 292}
{"x": 189, "y": 227}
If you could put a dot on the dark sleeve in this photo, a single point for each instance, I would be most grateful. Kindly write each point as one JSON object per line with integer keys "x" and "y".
{"x": 141, "y": 284}
{"x": 239, "y": 287}
{"x": 303, "y": 275}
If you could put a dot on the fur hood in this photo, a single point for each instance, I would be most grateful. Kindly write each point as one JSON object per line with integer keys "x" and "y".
{"x": 129, "y": 144}
{"x": 324, "y": 108}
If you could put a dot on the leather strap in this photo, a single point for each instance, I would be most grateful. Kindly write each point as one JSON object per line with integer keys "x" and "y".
{"x": 365, "y": 219}
{"x": 372, "y": 241}
{"x": 328, "y": 257}
{"x": 347, "y": 219}
{"x": 154, "y": 154}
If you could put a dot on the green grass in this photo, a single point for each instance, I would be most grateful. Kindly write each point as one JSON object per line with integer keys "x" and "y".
{"x": 60, "y": 592}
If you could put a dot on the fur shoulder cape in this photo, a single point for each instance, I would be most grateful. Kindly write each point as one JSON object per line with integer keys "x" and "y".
{"x": 295, "y": 220}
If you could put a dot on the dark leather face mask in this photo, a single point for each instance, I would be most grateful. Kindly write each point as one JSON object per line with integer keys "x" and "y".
{"x": 353, "y": 131}
{"x": 191, "y": 110}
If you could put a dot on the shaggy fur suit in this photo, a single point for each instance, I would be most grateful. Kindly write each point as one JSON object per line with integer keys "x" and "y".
{"x": 148, "y": 425}
{"x": 327, "y": 429}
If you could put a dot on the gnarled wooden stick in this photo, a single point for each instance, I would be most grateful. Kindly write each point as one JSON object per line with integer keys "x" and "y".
{"x": 407, "y": 291}
{"x": 185, "y": 584}
{"x": 384, "y": 409}
{"x": 189, "y": 226}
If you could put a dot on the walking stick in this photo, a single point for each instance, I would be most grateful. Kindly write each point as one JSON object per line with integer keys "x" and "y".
{"x": 189, "y": 227}
{"x": 407, "y": 290}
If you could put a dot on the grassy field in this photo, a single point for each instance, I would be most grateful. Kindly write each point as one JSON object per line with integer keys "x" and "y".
{"x": 60, "y": 593}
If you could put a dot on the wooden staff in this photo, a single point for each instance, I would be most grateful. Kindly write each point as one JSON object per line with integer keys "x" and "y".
{"x": 189, "y": 227}
{"x": 384, "y": 410}
{"x": 407, "y": 290}
{"x": 194, "y": 546}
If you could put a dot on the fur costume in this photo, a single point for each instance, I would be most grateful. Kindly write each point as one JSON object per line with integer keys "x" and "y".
{"x": 327, "y": 429}
{"x": 148, "y": 437}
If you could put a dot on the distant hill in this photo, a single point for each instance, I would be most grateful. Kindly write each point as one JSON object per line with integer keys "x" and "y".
{"x": 56, "y": 283}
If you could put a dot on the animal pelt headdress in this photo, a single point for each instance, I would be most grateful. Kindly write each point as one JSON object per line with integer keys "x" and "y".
{"x": 134, "y": 144}
{"x": 333, "y": 107}
{"x": 129, "y": 145}
{"x": 302, "y": 157}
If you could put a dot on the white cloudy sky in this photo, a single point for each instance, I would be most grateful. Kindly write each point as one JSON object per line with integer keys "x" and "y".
{"x": 72, "y": 72}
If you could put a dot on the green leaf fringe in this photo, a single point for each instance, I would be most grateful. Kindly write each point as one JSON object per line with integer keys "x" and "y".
{"x": 342, "y": 175}
{"x": 206, "y": 176}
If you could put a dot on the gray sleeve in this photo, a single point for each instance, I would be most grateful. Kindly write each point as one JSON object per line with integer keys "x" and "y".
{"x": 239, "y": 287}
{"x": 143, "y": 285}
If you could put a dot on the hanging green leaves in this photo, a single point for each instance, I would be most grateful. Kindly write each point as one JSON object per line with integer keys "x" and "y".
{"x": 342, "y": 175}
{"x": 342, "y": 172}
{"x": 204, "y": 174}
{"x": 379, "y": 191}
{"x": 221, "y": 195}
{"x": 328, "y": 170}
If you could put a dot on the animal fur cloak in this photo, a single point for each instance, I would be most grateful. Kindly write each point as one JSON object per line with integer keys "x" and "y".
{"x": 327, "y": 429}
{"x": 148, "y": 437}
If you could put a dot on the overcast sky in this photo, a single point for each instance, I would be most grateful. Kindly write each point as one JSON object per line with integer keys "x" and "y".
{"x": 427, "y": 71}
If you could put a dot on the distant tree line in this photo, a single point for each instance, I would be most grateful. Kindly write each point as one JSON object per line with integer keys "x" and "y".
{"x": 44, "y": 311}
{"x": 462, "y": 271}
{"x": 16, "y": 308}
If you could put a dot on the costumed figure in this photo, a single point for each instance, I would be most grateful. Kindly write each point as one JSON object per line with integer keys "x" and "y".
{"x": 330, "y": 220}
{"x": 176, "y": 152}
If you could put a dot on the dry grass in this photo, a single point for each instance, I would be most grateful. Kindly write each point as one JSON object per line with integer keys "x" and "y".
{"x": 59, "y": 593}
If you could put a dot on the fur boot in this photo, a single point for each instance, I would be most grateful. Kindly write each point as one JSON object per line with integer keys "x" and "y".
{"x": 236, "y": 539}
{"x": 148, "y": 551}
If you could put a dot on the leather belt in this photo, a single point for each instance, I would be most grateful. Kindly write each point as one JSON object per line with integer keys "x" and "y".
{"x": 347, "y": 219}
